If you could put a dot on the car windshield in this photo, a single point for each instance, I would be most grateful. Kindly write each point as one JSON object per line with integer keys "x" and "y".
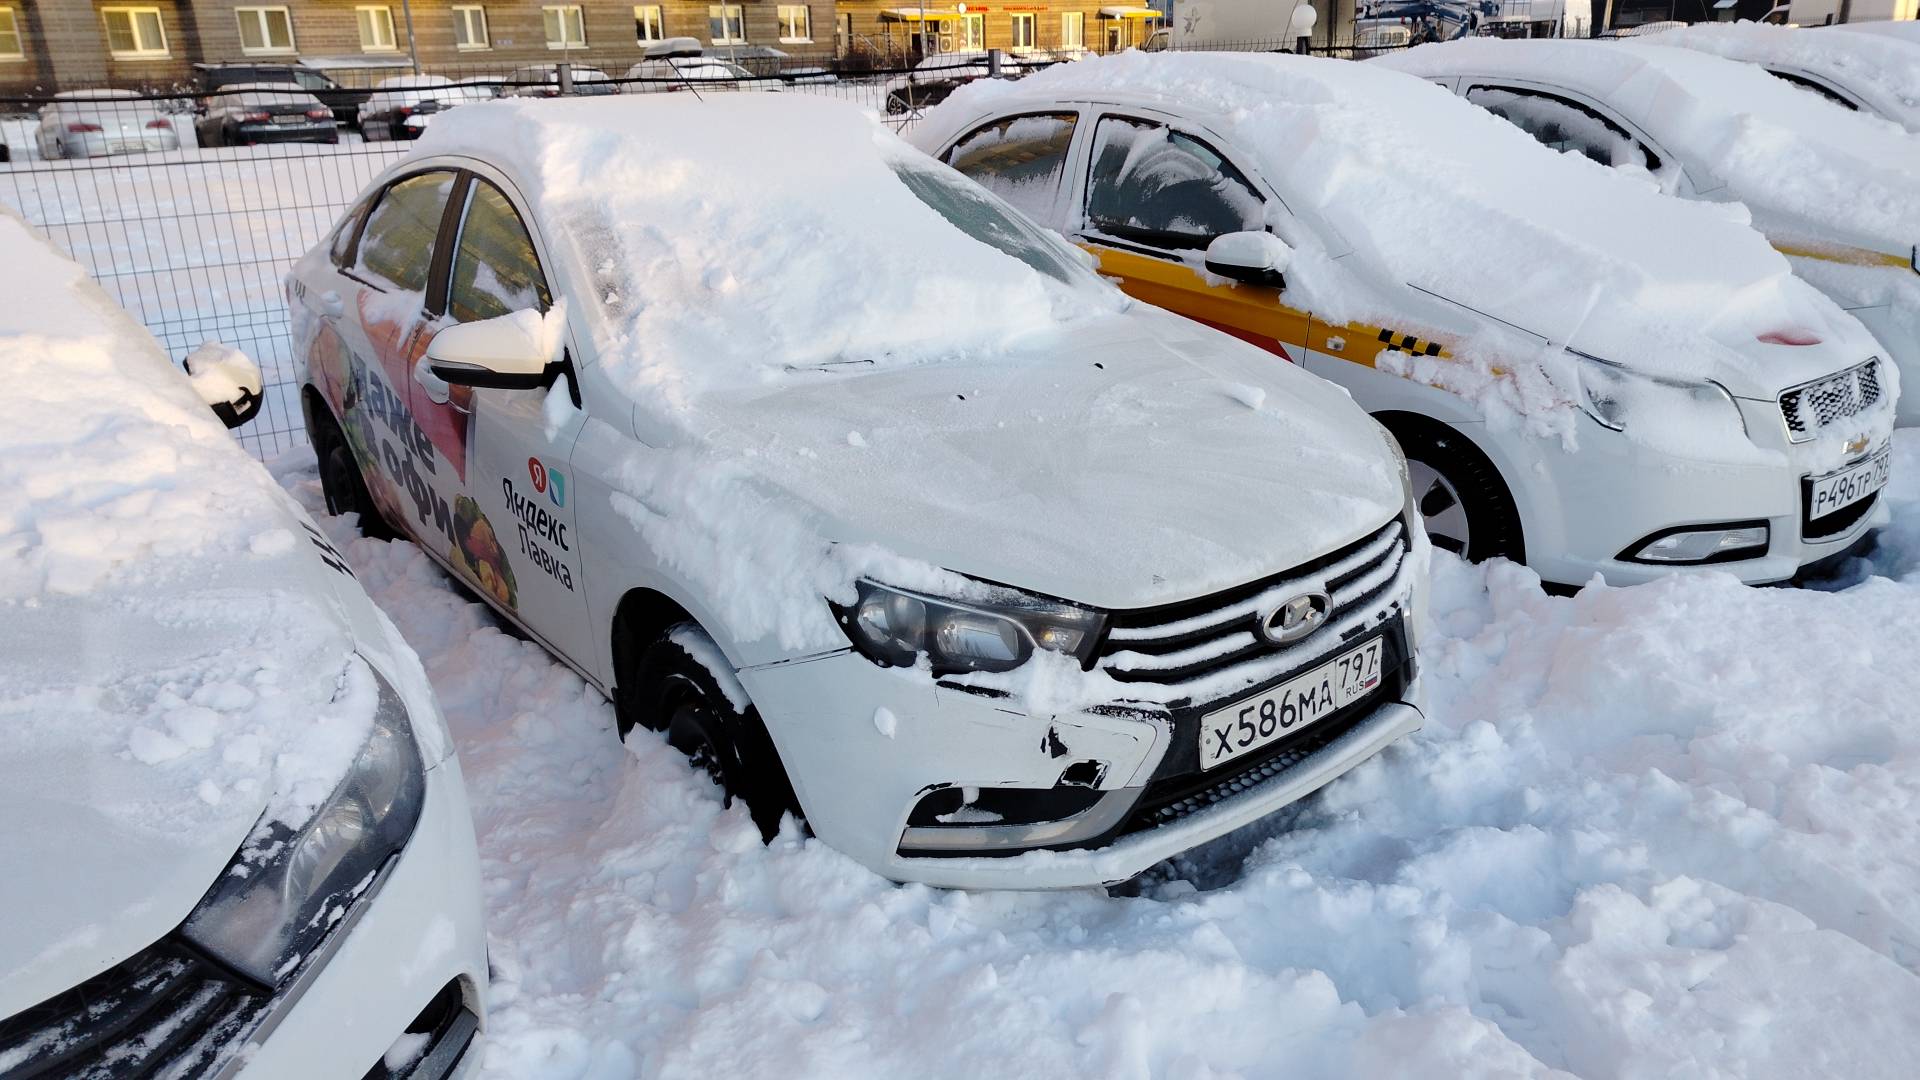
{"x": 974, "y": 211}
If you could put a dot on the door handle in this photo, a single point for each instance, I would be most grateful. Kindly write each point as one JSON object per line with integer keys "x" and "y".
{"x": 331, "y": 305}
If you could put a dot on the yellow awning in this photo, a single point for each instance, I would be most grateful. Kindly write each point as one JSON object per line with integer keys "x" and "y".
{"x": 1130, "y": 13}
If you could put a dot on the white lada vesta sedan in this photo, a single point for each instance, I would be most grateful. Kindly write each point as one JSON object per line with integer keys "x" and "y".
{"x": 868, "y": 493}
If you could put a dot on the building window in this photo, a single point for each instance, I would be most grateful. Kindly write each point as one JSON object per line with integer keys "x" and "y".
{"x": 134, "y": 32}
{"x": 727, "y": 23}
{"x": 796, "y": 24}
{"x": 265, "y": 29}
{"x": 376, "y": 28}
{"x": 470, "y": 27}
{"x": 10, "y": 48}
{"x": 973, "y": 32}
{"x": 649, "y": 24}
{"x": 566, "y": 27}
{"x": 1073, "y": 29}
{"x": 843, "y": 34}
{"x": 1022, "y": 30}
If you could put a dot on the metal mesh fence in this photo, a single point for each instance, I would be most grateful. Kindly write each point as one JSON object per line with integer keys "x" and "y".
{"x": 190, "y": 207}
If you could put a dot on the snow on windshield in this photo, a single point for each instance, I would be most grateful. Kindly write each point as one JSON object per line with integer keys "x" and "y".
{"x": 708, "y": 271}
{"x": 1384, "y": 180}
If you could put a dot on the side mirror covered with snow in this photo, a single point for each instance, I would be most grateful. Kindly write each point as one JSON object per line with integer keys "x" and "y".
{"x": 1256, "y": 258}
{"x": 227, "y": 380}
{"x": 512, "y": 352}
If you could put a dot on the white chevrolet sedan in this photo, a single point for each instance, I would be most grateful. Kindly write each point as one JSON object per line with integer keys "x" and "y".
{"x": 236, "y": 837}
{"x": 1587, "y": 376}
{"x": 865, "y": 491}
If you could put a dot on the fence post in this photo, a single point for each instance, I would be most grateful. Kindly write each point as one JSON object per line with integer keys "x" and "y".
{"x": 565, "y": 71}
{"x": 993, "y": 63}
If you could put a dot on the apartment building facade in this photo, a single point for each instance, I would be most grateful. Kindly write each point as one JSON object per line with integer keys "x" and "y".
{"x": 48, "y": 45}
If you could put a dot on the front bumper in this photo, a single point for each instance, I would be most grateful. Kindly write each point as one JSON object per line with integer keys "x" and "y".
{"x": 860, "y": 785}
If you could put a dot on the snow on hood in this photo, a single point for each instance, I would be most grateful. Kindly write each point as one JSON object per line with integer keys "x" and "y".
{"x": 166, "y": 678}
{"x": 1883, "y": 71}
{"x": 1804, "y": 166}
{"x": 711, "y": 270}
{"x": 1429, "y": 191}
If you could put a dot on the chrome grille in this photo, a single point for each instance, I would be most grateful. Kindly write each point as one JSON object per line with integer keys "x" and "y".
{"x": 1210, "y": 648}
{"x": 163, "y": 1013}
{"x": 1812, "y": 406}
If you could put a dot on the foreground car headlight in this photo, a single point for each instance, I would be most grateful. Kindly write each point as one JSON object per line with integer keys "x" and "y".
{"x": 1613, "y": 394}
{"x": 893, "y": 627}
{"x": 289, "y": 885}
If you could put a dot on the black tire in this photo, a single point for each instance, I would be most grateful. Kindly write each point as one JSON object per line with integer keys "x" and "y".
{"x": 342, "y": 483}
{"x": 1458, "y": 491}
{"x": 663, "y": 688}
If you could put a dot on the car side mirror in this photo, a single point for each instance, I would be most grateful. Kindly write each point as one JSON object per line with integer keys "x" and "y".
{"x": 1255, "y": 258}
{"x": 227, "y": 380}
{"x": 511, "y": 352}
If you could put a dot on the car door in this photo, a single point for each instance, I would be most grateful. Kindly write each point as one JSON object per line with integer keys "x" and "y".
{"x": 514, "y": 535}
{"x": 1154, "y": 196}
{"x": 1569, "y": 122}
{"x": 383, "y": 318}
{"x": 1022, "y": 158}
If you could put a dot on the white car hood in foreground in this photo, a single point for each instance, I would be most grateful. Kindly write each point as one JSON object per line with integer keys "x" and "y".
{"x": 175, "y": 643}
{"x": 1142, "y": 461}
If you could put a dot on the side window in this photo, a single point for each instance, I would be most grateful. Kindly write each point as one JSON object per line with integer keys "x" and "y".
{"x": 1019, "y": 159}
{"x": 342, "y": 249}
{"x": 495, "y": 270}
{"x": 397, "y": 244}
{"x": 1816, "y": 87}
{"x": 1564, "y": 125}
{"x": 1154, "y": 185}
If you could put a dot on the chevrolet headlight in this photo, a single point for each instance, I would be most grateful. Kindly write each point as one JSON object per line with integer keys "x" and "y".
{"x": 893, "y": 627}
{"x": 1614, "y": 394}
{"x": 290, "y": 884}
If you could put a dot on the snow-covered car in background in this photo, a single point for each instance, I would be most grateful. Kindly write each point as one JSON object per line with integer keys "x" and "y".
{"x": 237, "y": 838}
{"x": 868, "y": 492}
{"x": 265, "y": 113}
{"x": 99, "y": 123}
{"x": 678, "y": 64}
{"x": 1864, "y": 72}
{"x": 1587, "y": 376}
{"x": 1830, "y": 187}
{"x": 933, "y": 79}
{"x": 543, "y": 80}
{"x": 401, "y": 107}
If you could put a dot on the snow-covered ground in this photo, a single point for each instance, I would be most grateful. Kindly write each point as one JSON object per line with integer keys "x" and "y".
{"x": 1665, "y": 831}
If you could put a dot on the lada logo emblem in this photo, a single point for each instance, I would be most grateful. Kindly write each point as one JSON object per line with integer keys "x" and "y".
{"x": 1296, "y": 618}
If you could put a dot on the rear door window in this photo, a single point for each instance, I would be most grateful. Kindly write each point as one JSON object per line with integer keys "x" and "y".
{"x": 1565, "y": 124}
{"x": 495, "y": 268}
{"x": 396, "y": 248}
{"x": 1019, "y": 158}
{"x": 1164, "y": 188}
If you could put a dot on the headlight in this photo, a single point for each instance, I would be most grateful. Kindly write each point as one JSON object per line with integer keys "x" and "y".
{"x": 893, "y": 627}
{"x": 289, "y": 885}
{"x": 1614, "y": 394}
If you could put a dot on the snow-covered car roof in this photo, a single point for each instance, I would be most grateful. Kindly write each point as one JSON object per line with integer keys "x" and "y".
{"x": 690, "y": 67}
{"x": 705, "y": 272}
{"x": 1440, "y": 195}
{"x": 1806, "y": 167}
{"x": 1899, "y": 30}
{"x": 1883, "y": 72}
{"x": 175, "y": 655}
{"x": 268, "y": 94}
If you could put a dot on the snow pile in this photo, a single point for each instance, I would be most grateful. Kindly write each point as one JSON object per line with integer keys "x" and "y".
{"x": 156, "y": 662}
{"x": 708, "y": 274}
{"x": 1883, "y": 71}
{"x": 1806, "y": 168}
{"x": 1432, "y": 192}
{"x": 1644, "y": 833}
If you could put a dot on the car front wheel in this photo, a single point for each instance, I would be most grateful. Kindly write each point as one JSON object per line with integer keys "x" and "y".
{"x": 1461, "y": 498}
{"x": 668, "y": 687}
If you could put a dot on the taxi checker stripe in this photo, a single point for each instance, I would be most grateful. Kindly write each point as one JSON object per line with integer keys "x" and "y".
{"x": 1409, "y": 343}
